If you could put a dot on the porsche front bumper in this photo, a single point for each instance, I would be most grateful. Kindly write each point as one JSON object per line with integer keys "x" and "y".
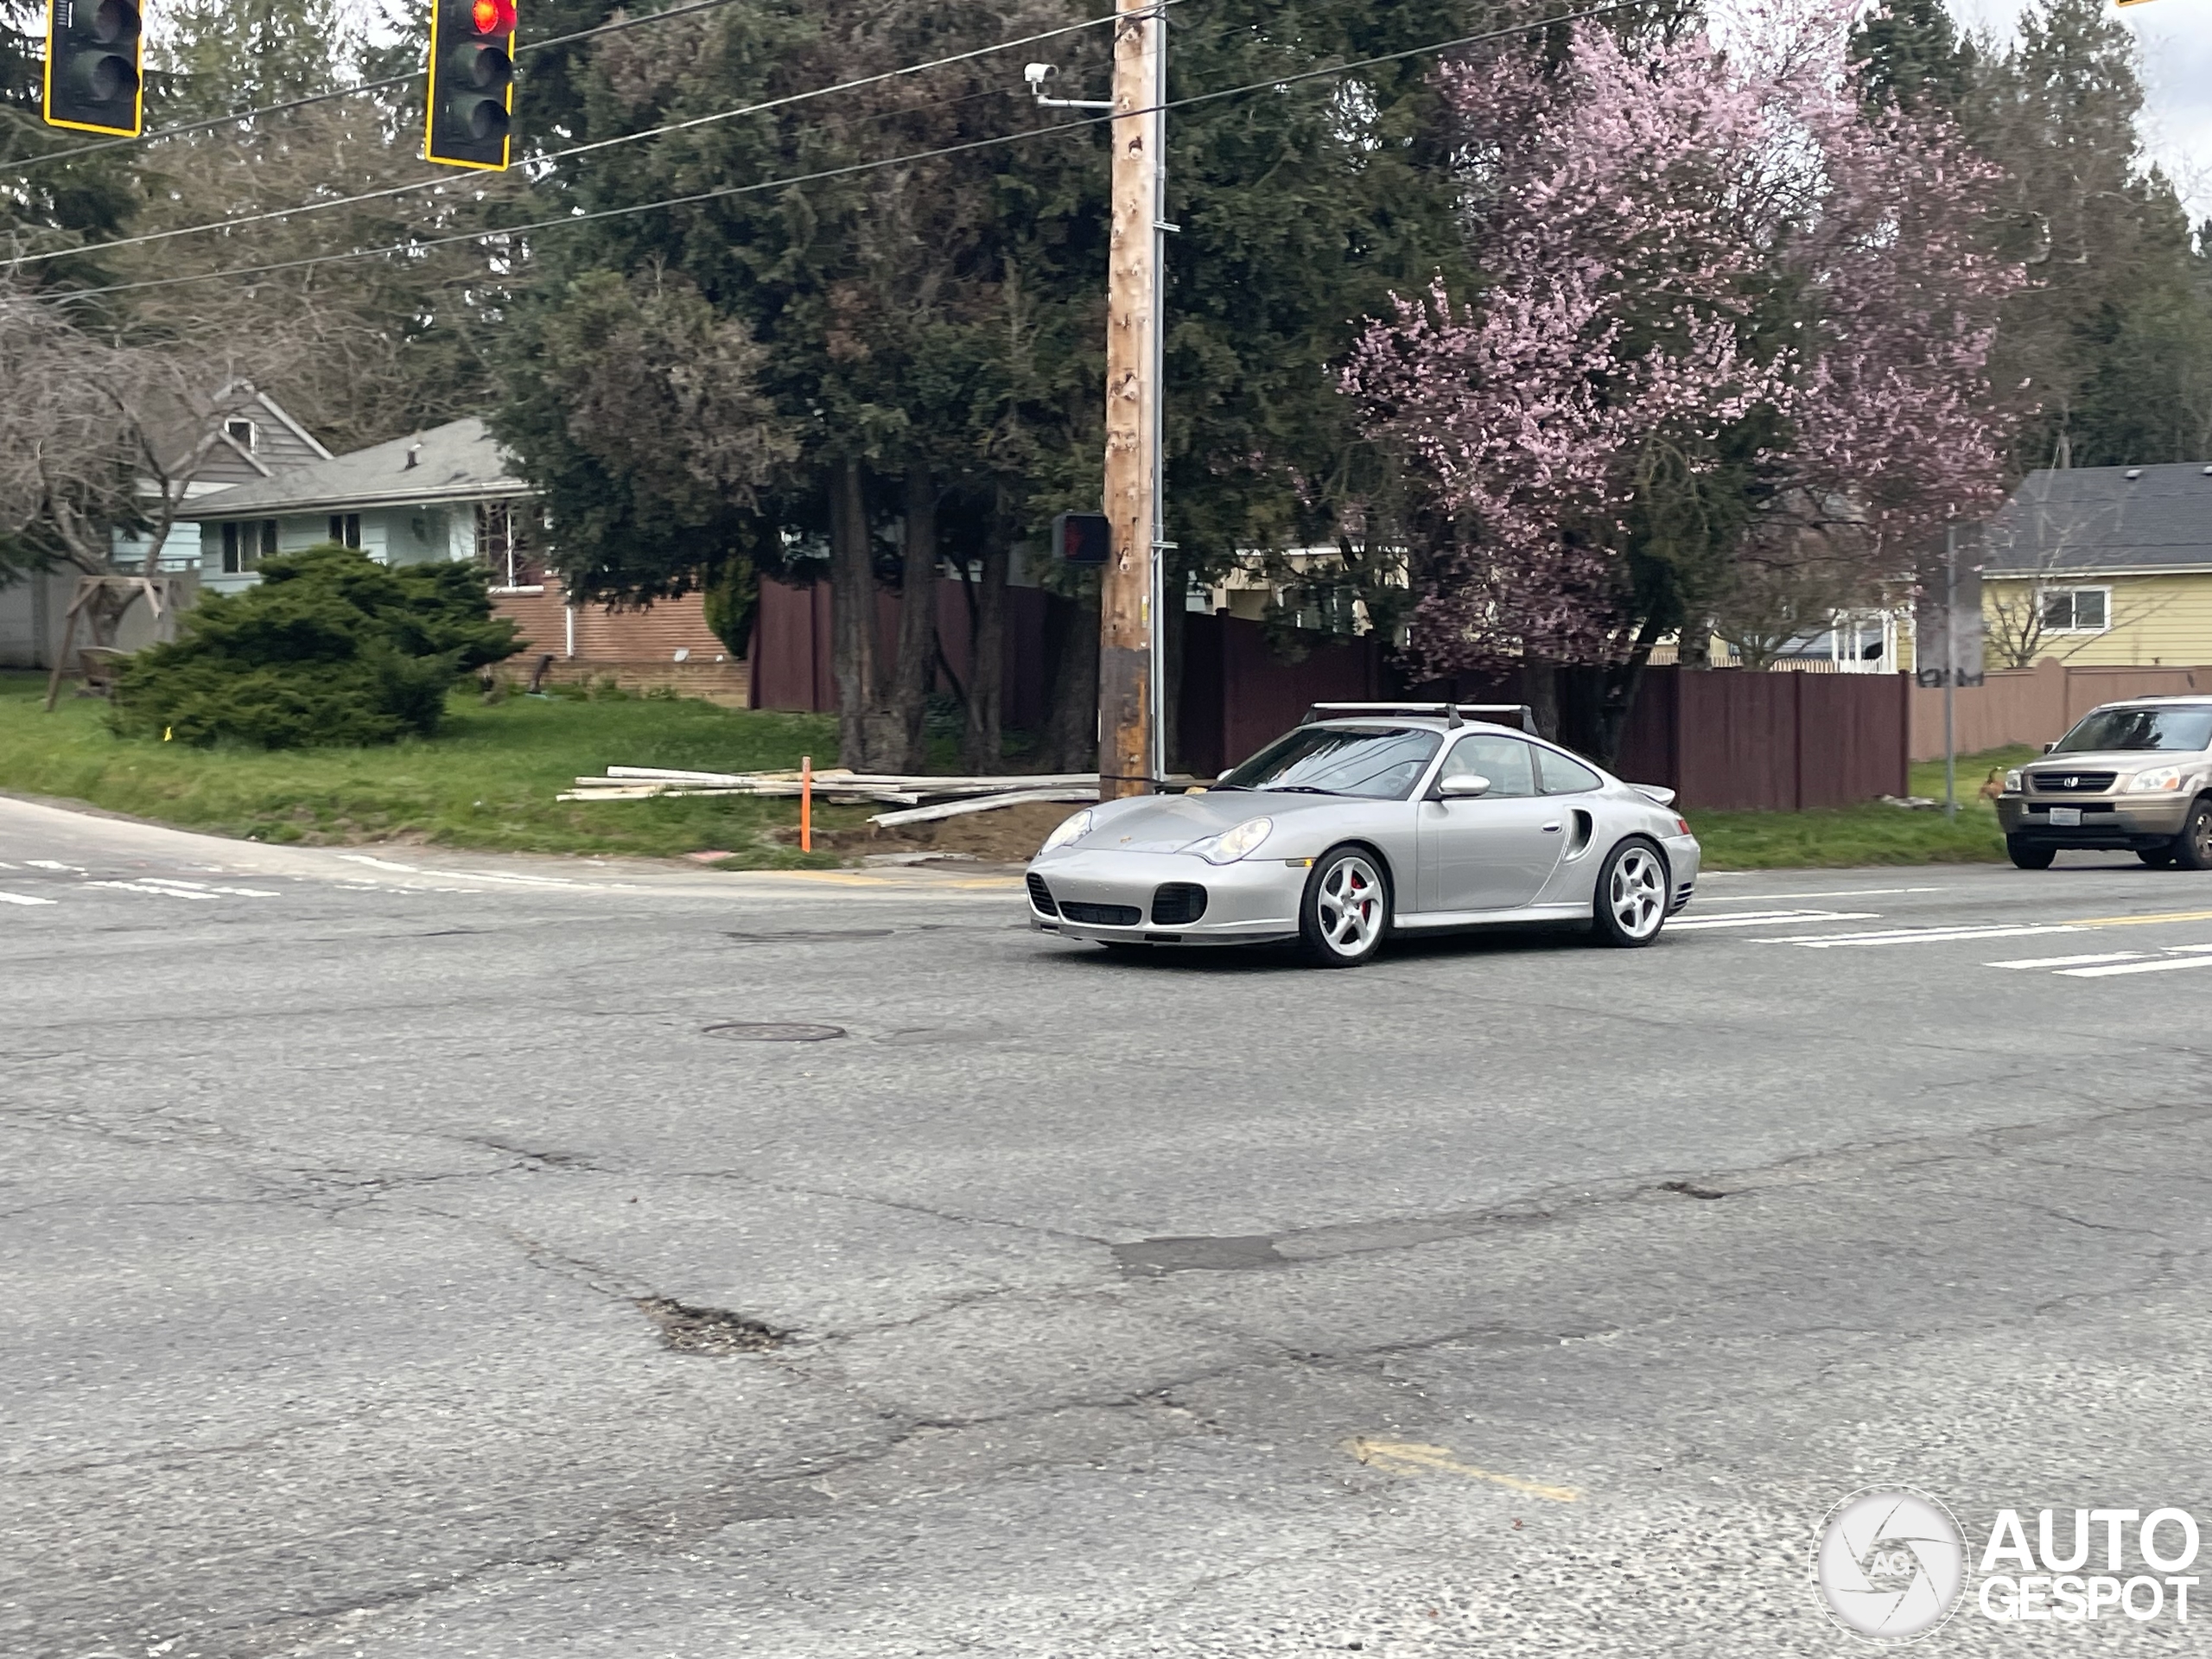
{"x": 1144, "y": 898}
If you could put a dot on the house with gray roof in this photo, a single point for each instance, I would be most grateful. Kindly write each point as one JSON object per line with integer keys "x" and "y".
{"x": 447, "y": 493}
{"x": 2101, "y": 566}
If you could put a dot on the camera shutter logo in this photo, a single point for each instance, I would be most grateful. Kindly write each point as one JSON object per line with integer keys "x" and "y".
{"x": 1890, "y": 1563}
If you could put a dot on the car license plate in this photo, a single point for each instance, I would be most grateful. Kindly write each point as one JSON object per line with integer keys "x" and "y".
{"x": 2065, "y": 815}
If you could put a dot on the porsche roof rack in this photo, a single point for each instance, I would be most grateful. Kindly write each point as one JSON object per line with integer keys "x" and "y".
{"x": 1454, "y": 713}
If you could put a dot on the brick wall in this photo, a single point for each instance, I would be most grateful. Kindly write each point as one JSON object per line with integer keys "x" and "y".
{"x": 636, "y": 649}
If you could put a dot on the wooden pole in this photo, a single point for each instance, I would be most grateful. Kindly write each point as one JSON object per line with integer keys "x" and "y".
{"x": 1126, "y": 613}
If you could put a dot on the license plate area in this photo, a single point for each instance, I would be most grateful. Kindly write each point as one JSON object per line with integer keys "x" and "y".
{"x": 2065, "y": 816}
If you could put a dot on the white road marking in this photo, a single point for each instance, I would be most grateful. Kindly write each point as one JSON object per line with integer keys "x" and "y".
{"x": 2069, "y": 961}
{"x": 1916, "y": 936}
{"x": 49, "y": 864}
{"x": 1840, "y": 892}
{"x": 2162, "y": 965}
{"x": 21, "y": 898}
{"x": 529, "y": 880}
{"x": 203, "y": 886}
{"x": 162, "y": 893}
{"x": 379, "y": 863}
{"x": 1773, "y": 918}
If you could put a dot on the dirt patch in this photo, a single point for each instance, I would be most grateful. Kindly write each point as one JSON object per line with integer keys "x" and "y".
{"x": 1007, "y": 835}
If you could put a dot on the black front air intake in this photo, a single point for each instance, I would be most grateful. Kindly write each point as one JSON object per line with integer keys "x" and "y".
{"x": 1177, "y": 904}
{"x": 1040, "y": 895}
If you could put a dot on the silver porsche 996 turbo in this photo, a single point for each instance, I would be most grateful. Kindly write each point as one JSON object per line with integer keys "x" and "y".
{"x": 1367, "y": 820}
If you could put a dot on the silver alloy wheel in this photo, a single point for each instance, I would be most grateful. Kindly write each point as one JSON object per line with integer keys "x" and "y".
{"x": 2199, "y": 830}
{"x": 1638, "y": 894}
{"x": 1350, "y": 905}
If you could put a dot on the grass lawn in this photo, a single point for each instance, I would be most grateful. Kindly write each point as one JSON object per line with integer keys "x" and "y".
{"x": 488, "y": 782}
{"x": 1866, "y": 835}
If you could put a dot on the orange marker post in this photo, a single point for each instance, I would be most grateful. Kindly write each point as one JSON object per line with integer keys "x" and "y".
{"x": 806, "y": 803}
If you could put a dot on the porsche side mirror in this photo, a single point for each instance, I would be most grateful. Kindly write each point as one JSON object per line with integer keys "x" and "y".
{"x": 1225, "y": 771}
{"x": 1462, "y": 785}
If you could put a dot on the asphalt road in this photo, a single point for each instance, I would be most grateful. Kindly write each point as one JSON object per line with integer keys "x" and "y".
{"x": 398, "y": 1263}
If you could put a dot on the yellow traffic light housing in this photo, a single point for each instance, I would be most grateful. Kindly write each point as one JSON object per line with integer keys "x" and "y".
{"x": 94, "y": 51}
{"x": 471, "y": 99}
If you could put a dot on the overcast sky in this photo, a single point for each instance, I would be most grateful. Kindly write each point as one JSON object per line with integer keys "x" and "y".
{"x": 2176, "y": 38}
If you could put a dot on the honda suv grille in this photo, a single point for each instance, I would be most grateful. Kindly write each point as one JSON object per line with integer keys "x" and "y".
{"x": 2070, "y": 782}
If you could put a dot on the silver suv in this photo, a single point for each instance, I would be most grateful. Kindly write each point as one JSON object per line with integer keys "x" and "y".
{"x": 2134, "y": 776}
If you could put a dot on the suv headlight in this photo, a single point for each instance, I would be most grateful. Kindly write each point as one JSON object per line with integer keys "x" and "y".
{"x": 2012, "y": 785}
{"x": 2167, "y": 778}
{"x": 1072, "y": 830}
{"x": 1232, "y": 844}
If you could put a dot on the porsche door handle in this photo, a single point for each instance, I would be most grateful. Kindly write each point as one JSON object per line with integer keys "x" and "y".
{"x": 1551, "y": 828}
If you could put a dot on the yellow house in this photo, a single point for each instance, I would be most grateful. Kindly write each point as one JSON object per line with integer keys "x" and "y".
{"x": 2101, "y": 566}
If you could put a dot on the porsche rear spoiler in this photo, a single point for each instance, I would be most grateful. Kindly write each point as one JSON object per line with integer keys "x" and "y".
{"x": 1455, "y": 714}
{"x": 1659, "y": 793}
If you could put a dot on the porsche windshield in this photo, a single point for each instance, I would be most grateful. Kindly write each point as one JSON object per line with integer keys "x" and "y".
{"x": 2182, "y": 728}
{"x": 1378, "y": 764}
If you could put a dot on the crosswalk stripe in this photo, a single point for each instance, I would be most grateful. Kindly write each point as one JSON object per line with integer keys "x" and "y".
{"x": 1916, "y": 936}
{"x": 21, "y": 898}
{"x": 2069, "y": 961}
{"x": 2161, "y": 965}
{"x": 1773, "y": 919}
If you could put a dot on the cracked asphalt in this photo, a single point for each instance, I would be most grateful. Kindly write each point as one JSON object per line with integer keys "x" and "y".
{"x": 396, "y": 1266}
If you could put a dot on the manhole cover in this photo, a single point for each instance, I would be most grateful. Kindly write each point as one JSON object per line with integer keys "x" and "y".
{"x": 811, "y": 935}
{"x": 774, "y": 1032}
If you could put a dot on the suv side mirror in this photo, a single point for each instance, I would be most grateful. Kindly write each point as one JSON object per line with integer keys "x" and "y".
{"x": 2048, "y": 747}
{"x": 1463, "y": 785}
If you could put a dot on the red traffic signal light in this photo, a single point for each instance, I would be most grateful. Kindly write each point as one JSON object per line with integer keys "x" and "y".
{"x": 92, "y": 57}
{"x": 471, "y": 101}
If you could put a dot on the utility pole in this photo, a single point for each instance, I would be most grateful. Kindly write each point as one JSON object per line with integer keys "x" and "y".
{"x": 1130, "y": 601}
{"x": 1950, "y": 669}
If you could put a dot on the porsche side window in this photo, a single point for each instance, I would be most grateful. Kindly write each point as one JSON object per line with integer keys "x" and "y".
{"x": 1563, "y": 776}
{"x": 1506, "y": 762}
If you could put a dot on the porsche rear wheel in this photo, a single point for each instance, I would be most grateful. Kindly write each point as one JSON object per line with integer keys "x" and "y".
{"x": 1630, "y": 906}
{"x": 1345, "y": 913}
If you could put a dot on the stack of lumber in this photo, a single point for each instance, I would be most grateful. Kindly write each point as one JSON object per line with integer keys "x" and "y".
{"x": 947, "y": 797}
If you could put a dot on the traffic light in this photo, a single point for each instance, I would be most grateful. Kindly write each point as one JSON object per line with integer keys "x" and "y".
{"x": 1081, "y": 538}
{"x": 472, "y": 95}
{"x": 93, "y": 55}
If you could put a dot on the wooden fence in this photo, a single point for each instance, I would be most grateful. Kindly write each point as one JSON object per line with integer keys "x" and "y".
{"x": 2036, "y": 705}
{"x": 1727, "y": 739}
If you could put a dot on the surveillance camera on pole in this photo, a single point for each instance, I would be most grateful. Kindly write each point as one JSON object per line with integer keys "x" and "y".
{"x": 1038, "y": 73}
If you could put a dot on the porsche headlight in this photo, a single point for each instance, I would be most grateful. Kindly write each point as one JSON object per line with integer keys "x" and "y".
{"x": 2012, "y": 781}
{"x": 1232, "y": 844}
{"x": 2166, "y": 778}
{"x": 1072, "y": 830}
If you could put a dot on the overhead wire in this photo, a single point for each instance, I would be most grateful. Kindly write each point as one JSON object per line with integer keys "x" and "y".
{"x": 725, "y": 192}
{"x": 686, "y": 126}
{"x": 352, "y": 89}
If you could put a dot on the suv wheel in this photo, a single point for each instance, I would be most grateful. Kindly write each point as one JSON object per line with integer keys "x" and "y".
{"x": 2027, "y": 855}
{"x": 2193, "y": 846}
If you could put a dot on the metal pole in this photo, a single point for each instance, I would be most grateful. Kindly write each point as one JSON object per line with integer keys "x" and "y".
{"x": 1950, "y": 669}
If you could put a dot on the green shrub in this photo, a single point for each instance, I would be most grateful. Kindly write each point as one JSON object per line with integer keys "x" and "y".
{"x": 329, "y": 648}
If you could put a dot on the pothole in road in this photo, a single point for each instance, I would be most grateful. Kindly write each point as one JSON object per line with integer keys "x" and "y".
{"x": 1690, "y": 1190}
{"x": 1237, "y": 1253}
{"x": 750, "y": 1031}
{"x": 688, "y": 1330}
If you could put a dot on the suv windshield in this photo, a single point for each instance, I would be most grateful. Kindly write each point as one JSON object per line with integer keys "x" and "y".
{"x": 1380, "y": 765}
{"x": 2186, "y": 727}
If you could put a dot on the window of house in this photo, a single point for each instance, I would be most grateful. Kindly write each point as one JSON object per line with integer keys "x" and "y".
{"x": 505, "y": 549}
{"x": 2076, "y": 610}
{"x": 346, "y": 528}
{"x": 245, "y": 545}
{"x": 1506, "y": 762}
{"x": 245, "y": 434}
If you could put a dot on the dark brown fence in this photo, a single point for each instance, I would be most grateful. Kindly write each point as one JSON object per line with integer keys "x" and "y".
{"x": 1722, "y": 738}
{"x": 1725, "y": 739}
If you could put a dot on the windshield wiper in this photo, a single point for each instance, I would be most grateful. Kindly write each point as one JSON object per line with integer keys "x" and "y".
{"x": 1303, "y": 789}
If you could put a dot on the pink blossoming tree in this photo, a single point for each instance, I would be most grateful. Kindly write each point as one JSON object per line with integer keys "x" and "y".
{"x": 1725, "y": 307}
